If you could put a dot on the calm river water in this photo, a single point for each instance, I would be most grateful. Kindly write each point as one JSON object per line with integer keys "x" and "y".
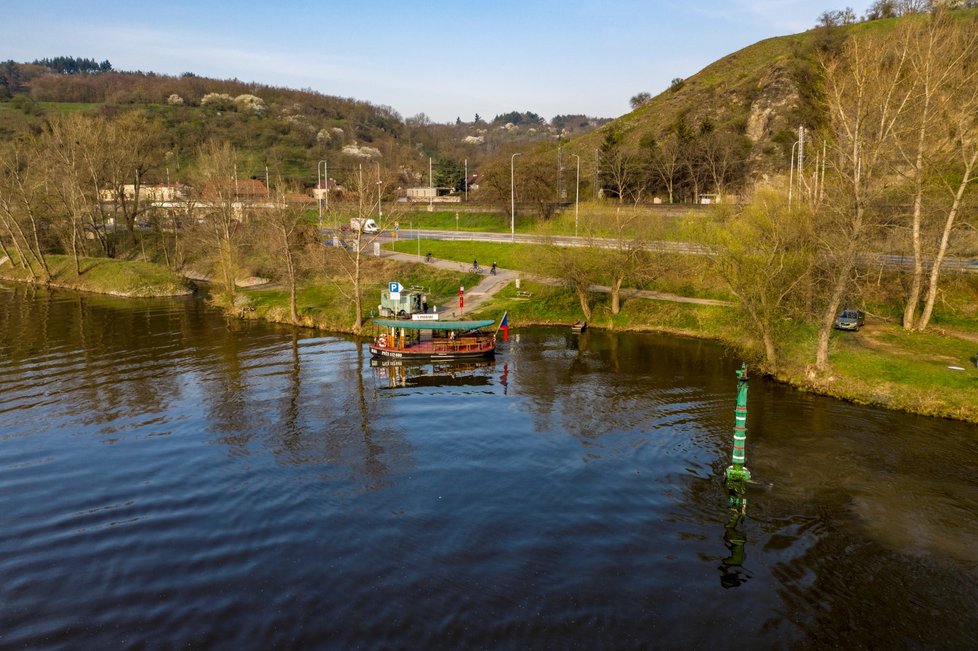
{"x": 172, "y": 479}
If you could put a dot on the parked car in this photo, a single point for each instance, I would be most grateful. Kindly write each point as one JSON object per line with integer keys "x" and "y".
{"x": 850, "y": 319}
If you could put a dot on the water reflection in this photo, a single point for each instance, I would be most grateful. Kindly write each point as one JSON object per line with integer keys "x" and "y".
{"x": 278, "y": 490}
{"x": 396, "y": 373}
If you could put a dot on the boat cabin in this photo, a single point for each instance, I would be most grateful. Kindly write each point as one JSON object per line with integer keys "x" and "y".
{"x": 432, "y": 339}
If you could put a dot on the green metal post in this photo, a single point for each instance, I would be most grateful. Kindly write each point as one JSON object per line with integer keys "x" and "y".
{"x": 737, "y": 473}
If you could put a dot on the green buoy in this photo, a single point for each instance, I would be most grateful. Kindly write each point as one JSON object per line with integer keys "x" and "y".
{"x": 737, "y": 473}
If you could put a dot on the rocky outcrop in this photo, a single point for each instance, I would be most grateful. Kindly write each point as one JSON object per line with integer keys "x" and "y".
{"x": 777, "y": 97}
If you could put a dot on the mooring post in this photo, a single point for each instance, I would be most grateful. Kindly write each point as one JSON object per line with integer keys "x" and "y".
{"x": 737, "y": 473}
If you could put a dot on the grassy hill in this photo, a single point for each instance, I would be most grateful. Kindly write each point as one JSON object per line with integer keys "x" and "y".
{"x": 756, "y": 98}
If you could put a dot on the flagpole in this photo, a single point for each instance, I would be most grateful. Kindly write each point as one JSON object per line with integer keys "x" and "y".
{"x": 496, "y": 333}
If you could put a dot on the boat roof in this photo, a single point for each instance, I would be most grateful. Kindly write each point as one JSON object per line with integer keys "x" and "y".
{"x": 433, "y": 325}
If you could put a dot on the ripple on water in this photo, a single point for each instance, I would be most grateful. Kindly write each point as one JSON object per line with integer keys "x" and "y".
{"x": 169, "y": 478}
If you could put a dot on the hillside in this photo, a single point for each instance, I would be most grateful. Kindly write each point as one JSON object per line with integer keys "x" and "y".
{"x": 283, "y": 129}
{"x": 717, "y": 131}
{"x": 720, "y": 130}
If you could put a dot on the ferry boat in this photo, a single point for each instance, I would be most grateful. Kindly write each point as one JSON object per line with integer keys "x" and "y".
{"x": 435, "y": 340}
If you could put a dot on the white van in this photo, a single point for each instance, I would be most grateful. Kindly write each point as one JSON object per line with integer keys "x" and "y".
{"x": 364, "y": 224}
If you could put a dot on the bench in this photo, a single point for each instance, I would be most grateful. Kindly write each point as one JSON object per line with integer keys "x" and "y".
{"x": 522, "y": 294}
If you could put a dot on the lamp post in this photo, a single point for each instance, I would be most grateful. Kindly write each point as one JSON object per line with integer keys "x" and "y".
{"x": 577, "y": 194}
{"x": 319, "y": 187}
{"x": 596, "y": 173}
{"x": 791, "y": 173}
{"x": 380, "y": 193}
{"x": 512, "y": 195}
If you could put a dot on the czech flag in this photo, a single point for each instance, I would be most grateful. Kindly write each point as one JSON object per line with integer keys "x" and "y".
{"x": 504, "y": 325}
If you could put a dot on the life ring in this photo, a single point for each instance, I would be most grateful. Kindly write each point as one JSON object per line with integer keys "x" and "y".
{"x": 382, "y": 341}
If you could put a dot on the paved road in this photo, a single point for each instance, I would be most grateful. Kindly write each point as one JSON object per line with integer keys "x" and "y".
{"x": 689, "y": 248}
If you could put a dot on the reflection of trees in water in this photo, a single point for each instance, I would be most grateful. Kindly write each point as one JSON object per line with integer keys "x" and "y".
{"x": 604, "y": 382}
{"x": 108, "y": 344}
{"x": 329, "y": 418}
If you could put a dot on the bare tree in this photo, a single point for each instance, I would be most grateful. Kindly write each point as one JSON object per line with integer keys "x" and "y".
{"x": 967, "y": 142}
{"x": 665, "y": 160}
{"x": 219, "y": 226}
{"x": 128, "y": 148}
{"x": 289, "y": 231}
{"x": 723, "y": 153}
{"x": 867, "y": 94}
{"x": 76, "y": 197}
{"x": 24, "y": 204}
{"x": 944, "y": 75}
{"x": 365, "y": 201}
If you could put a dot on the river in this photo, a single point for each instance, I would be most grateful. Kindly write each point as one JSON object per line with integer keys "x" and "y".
{"x": 170, "y": 478}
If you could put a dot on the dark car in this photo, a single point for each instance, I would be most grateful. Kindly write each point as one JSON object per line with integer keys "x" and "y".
{"x": 850, "y": 319}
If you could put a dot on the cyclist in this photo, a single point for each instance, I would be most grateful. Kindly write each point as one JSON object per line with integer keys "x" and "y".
{"x": 493, "y": 270}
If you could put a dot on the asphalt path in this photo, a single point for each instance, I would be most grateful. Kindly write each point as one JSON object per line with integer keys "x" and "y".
{"x": 490, "y": 285}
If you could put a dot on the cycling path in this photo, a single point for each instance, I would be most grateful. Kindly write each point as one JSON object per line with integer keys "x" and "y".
{"x": 490, "y": 284}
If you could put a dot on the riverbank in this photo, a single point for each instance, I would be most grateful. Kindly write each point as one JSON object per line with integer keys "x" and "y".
{"x": 930, "y": 373}
{"x": 126, "y": 278}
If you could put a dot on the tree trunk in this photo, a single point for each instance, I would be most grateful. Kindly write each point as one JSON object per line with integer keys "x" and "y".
{"x": 582, "y": 297}
{"x": 770, "y": 352}
{"x": 828, "y": 320}
{"x": 910, "y": 309}
{"x": 357, "y": 299}
{"x": 913, "y": 298}
{"x": 935, "y": 270}
{"x": 616, "y": 294}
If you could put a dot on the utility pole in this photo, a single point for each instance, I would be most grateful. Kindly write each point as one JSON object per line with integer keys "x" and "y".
{"x": 466, "y": 180}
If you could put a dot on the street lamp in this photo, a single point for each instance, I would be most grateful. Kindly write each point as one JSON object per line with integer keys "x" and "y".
{"x": 596, "y": 166}
{"x": 380, "y": 193}
{"x": 791, "y": 173}
{"x": 577, "y": 194}
{"x": 512, "y": 195}
{"x": 319, "y": 188}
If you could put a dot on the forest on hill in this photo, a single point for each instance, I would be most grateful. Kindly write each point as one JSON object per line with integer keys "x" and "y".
{"x": 283, "y": 130}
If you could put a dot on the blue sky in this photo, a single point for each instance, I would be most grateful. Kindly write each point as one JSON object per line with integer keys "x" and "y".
{"x": 446, "y": 59}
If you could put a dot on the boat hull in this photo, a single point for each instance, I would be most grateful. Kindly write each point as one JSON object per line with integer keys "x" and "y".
{"x": 407, "y": 353}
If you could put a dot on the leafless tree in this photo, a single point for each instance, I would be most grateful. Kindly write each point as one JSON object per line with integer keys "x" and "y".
{"x": 219, "y": 227}
{"x": 943, "y": 73}
{"x": 288, "y": 233}
{"x": 24, "y": 204}
{"x": 867, "y": 95}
